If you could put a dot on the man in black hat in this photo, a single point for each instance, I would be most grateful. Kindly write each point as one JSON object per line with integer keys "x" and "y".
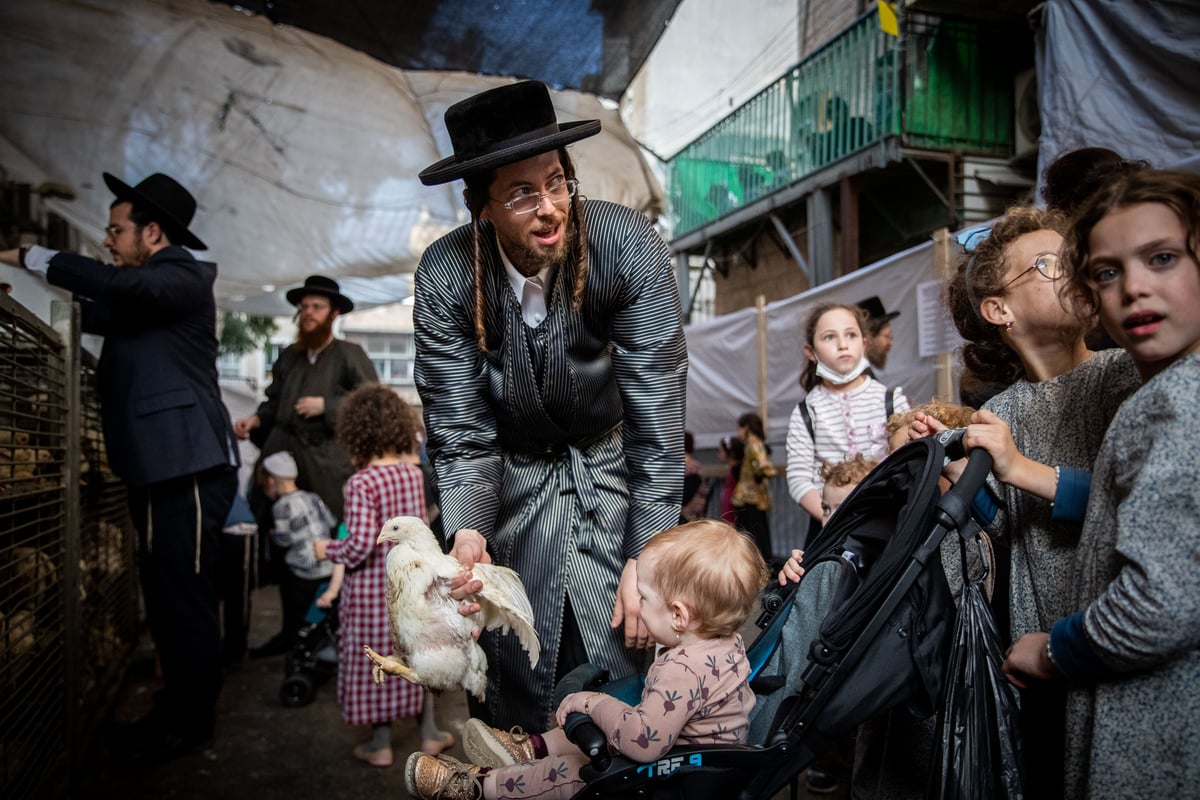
{"x": 552, "y": 367}
{"x": 308, "y": 382}
{"x": 167, "y": 435}
{"x": 879, "y": 331}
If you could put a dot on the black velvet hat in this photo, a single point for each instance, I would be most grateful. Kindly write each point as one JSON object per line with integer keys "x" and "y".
{"x": 171, "y": 205}
{"x": 876, "y": 312}
{"x": 319, "y": 284}
{"x": 502, "y": 126}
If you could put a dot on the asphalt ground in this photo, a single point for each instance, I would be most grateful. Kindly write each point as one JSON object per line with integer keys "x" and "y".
{"x": 264, "y": 750}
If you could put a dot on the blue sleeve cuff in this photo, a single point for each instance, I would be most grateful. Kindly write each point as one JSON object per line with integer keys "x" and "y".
{"x": 1071, "y": 496}
{"x": 1072, "y": 654}
{"x": 984, "y": 507}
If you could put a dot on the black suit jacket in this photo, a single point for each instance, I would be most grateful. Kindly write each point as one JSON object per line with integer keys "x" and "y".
{"x": 157, "y": 378}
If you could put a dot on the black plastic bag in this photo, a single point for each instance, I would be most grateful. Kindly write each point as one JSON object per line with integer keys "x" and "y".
{"x": 979, "y": 744}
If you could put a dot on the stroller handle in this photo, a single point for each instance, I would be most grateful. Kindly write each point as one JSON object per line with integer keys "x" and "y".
{"x": 957, "y": 501}
{"x": 587, "y": 736}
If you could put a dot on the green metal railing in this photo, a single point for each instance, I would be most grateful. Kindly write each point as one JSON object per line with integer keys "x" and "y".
{"x": 930, "y": 86}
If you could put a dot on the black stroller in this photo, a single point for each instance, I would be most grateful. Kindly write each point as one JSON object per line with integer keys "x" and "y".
{"x": 867, "y": 630}
{"x": 313, "y": 659}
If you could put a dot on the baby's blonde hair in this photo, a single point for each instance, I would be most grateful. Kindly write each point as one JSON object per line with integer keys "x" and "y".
{"x": 849, "y": 472}
{"x": 952, "y": 415}
{"x": 711, "y": 568}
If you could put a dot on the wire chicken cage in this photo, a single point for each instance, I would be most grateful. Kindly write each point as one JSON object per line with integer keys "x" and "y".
{"x": 68, "y": 603}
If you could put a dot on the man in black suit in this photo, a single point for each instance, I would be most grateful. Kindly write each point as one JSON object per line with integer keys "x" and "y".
{"x": 167, "y": 434}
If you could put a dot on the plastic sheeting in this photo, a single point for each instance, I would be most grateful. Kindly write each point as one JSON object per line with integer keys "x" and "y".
{"x": 302, "y": 153}
{"x": 595, "y": 47}
{"x": 723, "y": 374}
{"x": 1115, "y": 75}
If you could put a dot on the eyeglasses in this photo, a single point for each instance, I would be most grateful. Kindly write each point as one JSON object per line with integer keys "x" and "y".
{"x": 116, "y": 230}
{"x": 1047, "y": 265}
{"x": 559, "y": 191}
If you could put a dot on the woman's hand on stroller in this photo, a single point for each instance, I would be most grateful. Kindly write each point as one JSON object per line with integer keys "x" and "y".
{"x": 326, "y": 598}
{"x": 1009, "y": 465}
{"x": 791, "y": 569}
{"x": 1029, "y": 659}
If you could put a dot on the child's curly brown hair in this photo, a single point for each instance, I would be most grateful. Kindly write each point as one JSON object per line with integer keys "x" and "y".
{"x": 373, "y": 421}
{"x": 849, "y": 472}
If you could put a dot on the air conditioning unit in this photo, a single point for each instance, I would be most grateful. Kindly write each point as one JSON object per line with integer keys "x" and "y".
{"x": 1026, "y": 117}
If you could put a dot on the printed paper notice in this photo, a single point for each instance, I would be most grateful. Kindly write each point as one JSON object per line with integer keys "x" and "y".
{"x": 935, "y": 330}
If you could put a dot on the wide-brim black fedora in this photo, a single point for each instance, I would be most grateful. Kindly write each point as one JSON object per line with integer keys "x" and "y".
{"x": 875, "y": 310}
{"x": 171, "y": 205}
{"x": 319, "y": 284}
{"x": 502, "y": 126}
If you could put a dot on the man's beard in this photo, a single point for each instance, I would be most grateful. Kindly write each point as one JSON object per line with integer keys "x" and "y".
{"x": 318, "y": 336}
{"x": 530, "y": 259}
{"x": 141, "y": 254}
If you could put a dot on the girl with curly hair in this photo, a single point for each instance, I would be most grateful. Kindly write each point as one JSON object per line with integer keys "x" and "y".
{"x": 379, "y": 431}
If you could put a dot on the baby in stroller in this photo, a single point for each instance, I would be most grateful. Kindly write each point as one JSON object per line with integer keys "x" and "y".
{"x": 313, "y": 658}
{"x": 696, "y": 691}
{"x": 869, "y": 633}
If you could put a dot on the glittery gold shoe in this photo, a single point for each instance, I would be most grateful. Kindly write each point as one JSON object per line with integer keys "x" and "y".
{"x": 441, "y": 778}
{"x": 492, "y": 747}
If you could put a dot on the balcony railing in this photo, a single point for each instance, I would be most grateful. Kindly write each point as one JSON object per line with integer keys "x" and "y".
{"x": 932, "y": 86}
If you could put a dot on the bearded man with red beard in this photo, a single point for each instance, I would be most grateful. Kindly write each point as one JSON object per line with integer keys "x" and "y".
{"x": 308, "y": 382}
{"x": 552, "y": 367}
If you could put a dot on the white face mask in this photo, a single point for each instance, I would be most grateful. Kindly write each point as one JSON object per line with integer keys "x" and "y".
{"x": 837, "y": 378}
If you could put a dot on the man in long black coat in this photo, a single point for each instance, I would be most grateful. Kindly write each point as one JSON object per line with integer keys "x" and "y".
{"x": 308, "y": 382}
{"x": 167, "y": 434}
{"x": 299, "y": 415}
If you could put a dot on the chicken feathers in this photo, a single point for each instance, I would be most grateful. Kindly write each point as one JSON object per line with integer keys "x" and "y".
{"x": 433, "y": 642}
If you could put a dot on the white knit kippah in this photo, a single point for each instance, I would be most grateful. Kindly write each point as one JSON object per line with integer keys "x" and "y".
{"x": 281, "y": 465}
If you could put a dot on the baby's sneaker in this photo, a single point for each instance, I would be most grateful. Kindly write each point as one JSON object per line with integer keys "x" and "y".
{"x": 490, "y": 747}
{"x": 442, "y": 777}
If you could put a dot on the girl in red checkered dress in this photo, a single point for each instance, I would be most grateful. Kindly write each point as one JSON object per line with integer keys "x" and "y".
{"x": 379, "y": 430}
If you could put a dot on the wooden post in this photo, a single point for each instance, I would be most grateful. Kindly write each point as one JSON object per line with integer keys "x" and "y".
{"x": 848, "y": 193}
{"x": 760, "y": 303}
{"x": 943, "y": 270}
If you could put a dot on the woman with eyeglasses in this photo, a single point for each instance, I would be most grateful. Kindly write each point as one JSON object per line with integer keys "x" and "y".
{"x": 1043, "y": 431}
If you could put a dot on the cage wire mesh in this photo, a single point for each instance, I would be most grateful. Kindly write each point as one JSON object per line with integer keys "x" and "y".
{"x": 69, "y": 613}
{"x": 33, "y": 509}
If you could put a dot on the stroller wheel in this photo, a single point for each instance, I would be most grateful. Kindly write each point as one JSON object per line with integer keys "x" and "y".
{"x": 297, "y": 690}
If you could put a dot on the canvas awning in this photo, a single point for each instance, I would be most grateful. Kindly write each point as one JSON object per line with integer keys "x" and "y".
{"x": 302, "y": 152}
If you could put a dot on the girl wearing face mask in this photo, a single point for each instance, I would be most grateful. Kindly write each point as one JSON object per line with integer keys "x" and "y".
{"x": 847, "y": 408}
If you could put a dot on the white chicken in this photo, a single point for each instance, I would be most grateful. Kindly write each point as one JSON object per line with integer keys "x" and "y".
{"x": 433, "y": 642}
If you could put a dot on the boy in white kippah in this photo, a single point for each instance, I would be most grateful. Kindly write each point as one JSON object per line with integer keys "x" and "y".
{"x": 301, "y": 518}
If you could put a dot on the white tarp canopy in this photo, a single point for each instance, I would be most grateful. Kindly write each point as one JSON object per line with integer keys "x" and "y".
{"x": 302, "y": 153}
{"x": 723, "y": 368}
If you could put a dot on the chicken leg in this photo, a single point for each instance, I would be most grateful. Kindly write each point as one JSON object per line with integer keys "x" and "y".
{"x": 390, "y": 665}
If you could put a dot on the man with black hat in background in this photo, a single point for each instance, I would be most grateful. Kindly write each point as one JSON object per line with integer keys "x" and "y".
{"x": 308, "y": 382}
{"x": 167, "y": 435}
{"x": 879, "y": 331}
{"x": 552, "y": 368}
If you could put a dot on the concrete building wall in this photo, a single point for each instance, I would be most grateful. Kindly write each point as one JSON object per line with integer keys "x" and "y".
{"x": 820, "y": 20}
{"x": 714, "y": 56}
